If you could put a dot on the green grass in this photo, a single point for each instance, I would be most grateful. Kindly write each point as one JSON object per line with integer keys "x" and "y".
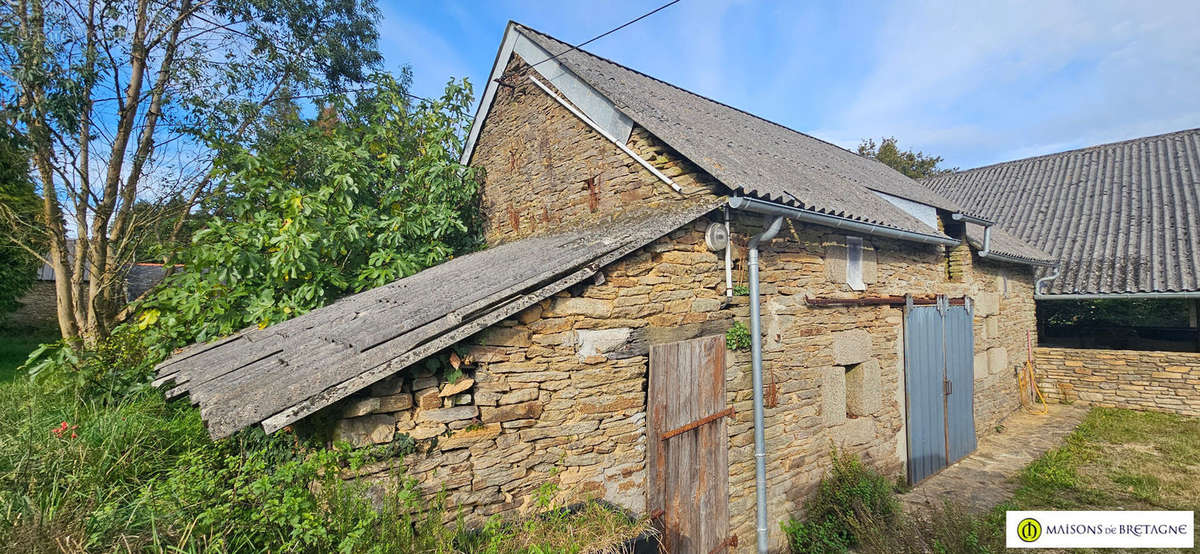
{"x": 1114, "y": 460}
{"x": 15, "y": 346}
{"x": 139, "y": 474}
{"x": 1119, "y": 459}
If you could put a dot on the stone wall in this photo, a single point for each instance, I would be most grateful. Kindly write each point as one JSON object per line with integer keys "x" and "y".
{"x": 546, "y": 169}
{"x": 838, "y": 371}
{"x": 558, "y": 393}
{"x": 1138, "y": 380}
{"x": 555, "y": 394}
{"x": 38, "y": 308}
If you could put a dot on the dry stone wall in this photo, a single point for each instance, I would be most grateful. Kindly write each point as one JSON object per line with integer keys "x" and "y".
{"x": 1137, "y": 380}
{"x": 556, "y": 394}
{"x": 38, "y": 308}
{"x": 838, "y": 371}
{"x": 547, "y": 170}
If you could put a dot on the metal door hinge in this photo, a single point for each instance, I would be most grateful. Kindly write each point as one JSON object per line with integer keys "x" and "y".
{"x": 730, "y": 542}
{"x": 727, "y": 412}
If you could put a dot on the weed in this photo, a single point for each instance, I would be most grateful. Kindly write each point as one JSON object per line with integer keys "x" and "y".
{"x": 946, "y": 529}
{"x": 737, "y": 337}
{"x": 850, "y": 490}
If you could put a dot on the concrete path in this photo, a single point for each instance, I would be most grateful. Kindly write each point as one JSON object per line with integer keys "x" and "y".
{"x": 984, "y": 478}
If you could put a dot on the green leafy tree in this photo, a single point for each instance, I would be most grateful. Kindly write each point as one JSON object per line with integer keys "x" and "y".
{"x": 913, "y": 164}
{"x": 120, "y": 101}
{"x": 369, "y": 192}
{"x": 18, "y": 221}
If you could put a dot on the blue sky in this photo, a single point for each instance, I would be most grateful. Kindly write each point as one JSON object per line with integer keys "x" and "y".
{"x": 974, "y": 82}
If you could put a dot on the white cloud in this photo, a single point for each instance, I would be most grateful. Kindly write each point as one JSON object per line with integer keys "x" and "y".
{"x": 1030, "y": 77}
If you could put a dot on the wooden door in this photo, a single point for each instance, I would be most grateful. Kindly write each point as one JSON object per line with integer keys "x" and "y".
{"x": 688, "y": 451}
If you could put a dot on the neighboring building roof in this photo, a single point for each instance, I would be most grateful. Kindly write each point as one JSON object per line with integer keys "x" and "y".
{"x": 140, "y": 278}
{"x": 287, "y": 371}
{"x": 1121, "y": 217}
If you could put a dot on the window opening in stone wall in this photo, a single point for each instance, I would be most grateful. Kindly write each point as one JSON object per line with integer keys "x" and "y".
{"x": 863, "y": 393}
{"x": 854, "y": 263}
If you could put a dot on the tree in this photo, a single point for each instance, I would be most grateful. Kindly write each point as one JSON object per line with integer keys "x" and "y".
{"x": 120, "y": 100}
{"x": 19, "y": 205}
{"x": 913, "y": 164}
{"x": 369, "y": 192}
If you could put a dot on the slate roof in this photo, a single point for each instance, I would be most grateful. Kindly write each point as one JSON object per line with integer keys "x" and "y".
{"x": 759, "y": 158}
{"x": 287, "y": 371}
{"x": 1122, "y": 217}
{"x": 747, "y": 153}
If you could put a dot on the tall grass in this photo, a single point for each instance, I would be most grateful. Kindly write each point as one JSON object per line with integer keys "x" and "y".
{"x": 83, "y": 484}
{"x": 141, "y": 474}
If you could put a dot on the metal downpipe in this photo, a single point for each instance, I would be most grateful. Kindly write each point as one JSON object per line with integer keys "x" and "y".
{"x": 760, "y": 447}
{"x": 1037, "y": 285}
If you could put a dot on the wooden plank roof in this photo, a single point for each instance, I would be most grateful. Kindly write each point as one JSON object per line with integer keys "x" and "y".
{"x": 280, "y": 374}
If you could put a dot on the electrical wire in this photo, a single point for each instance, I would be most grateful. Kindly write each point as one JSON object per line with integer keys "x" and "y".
{"x": 609, "y": 32}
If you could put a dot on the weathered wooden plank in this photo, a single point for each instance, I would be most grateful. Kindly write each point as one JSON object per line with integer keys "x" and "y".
{"x": 416, "y": 288}
{"x": 340, "y": 373}
{"x": 328, "y": 370}
{"x": 656, "y": 417}
{"x": 688, "y": 474}
{"x": 468, "y": 294}
{"x": 633, "y": 242}
{"x": 713, "y": 511}
{"x": 193, "y": 349}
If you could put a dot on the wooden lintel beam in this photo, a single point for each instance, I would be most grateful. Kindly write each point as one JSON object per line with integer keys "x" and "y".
{"x": 878, "y": 301}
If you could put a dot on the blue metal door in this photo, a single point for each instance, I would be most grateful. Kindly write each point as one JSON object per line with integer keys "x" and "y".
{"x": 960, "y": 377}
{"x": 939, "y": 386}
{"x": 924, "y": 363}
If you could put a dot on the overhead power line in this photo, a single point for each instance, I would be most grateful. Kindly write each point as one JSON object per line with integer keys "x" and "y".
{"x": 609, "y": 32}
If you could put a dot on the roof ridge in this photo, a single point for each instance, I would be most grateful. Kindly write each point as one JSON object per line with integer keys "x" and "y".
{"x": 697, "y": 95}
{"x": 1064, "y": 152}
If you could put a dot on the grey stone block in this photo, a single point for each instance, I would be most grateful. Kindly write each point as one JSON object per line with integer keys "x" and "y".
{"x": 981, "y": 365}
{"x": 835, "y": 263}
{"x": 833, "y": 394}
{"x": 602, "y": 341}
{"x": 986, "y": 304}
{"x": 855, "y": 431}
{"x": 997, "y": 359}
{"x": 851, "y": 347}
{"x": 365, "y": 431}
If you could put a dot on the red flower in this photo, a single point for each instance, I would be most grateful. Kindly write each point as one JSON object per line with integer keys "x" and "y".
{"x": 58, "y": 431}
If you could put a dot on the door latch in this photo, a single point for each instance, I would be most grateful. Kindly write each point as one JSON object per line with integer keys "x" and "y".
{"x": 947, "y": 386}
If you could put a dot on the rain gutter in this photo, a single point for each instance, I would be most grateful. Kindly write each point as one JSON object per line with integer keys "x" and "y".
{"x": 808, "y": 216}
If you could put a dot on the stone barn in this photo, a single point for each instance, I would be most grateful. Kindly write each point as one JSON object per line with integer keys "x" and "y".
{"x": 681, "y": 309}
